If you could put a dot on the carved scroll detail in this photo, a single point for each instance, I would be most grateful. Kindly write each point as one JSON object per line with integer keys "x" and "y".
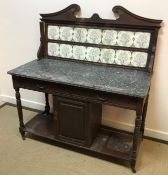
{"x": 67, "y": 14}
{"x": 127, "y": 17}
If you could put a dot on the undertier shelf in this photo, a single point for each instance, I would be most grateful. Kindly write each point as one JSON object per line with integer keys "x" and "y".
{"x": 109, "y": 144}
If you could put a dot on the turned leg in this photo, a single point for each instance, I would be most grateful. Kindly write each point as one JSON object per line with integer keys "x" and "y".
{"x": 20, "y": 114}
{"x": 47, "y": 106}
{"x": 144, "y": 115}
{"x": 136, "y": 135}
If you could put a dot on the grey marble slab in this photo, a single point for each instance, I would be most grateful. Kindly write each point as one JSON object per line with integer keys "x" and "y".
{"x": 103, "y": 78}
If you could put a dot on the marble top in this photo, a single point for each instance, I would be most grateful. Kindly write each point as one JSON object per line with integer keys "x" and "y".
{"x": 102, "y": 78}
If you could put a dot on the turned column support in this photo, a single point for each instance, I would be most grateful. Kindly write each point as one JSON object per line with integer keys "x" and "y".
{"x": 137, "y": 134}
{"x": 47, "y": 106}
{"x": 144, "y": 115}
{"x": 20, "y": 113}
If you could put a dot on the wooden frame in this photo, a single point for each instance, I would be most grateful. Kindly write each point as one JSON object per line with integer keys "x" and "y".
{"x": 109, "y": 143}
{"x": 134, "y": 103}
{"x": 126, "y": 21}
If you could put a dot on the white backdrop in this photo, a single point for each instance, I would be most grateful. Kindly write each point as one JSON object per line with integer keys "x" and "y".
{"x": 19, "y": 42}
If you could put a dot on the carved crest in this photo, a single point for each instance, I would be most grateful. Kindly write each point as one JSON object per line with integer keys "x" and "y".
{"x": 126, "y": 18}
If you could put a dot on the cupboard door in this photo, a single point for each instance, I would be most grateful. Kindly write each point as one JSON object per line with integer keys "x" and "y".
{"x": 71, "y": 119}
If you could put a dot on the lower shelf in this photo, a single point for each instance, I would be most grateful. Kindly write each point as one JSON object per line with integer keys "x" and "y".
{"x": 110, "y": 145}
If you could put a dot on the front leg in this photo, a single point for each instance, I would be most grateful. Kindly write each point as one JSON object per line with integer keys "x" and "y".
{"x": 47, "y": 106}
{"x": 144, "y": 115}
{"x": 20, "y": 114}
{"x": 137, "y": 134}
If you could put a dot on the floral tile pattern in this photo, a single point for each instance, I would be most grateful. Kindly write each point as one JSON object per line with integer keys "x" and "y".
{"x": 125, "y": 38}
{"x": 142, "y": 40}
{"x": 102, "y": 55}
{"x": 66, "y": 33}
{"x": 123, "y": 57}
{"x": 106, "y": 37}
{"x": 99, "y": 36}
{"x": 53, "y": 49}
{"x": 107, "y": 56}
{"x": 139, "y": 59}
{"x": 65, "y": 50}
{"x": 94, "y": 36}
{"x": 53, "y": 32}
{"x": 92, "y": 54}
{"x": 79, "y": 52}
{"x": 109, "y": 37}
{"x": 80, "y": 35}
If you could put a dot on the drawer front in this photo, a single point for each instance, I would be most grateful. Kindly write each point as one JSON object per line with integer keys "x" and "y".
{"x": 98, "y": 97}
{"x": 27, "y": 83}
{"x": 54, "y": 88}
{"x": 76, "y": 92}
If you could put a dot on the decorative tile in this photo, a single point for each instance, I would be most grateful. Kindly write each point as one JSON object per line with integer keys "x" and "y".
{"x": 109, "y": 37}
{"x": 79, "y": 52}
{"x": 98, "y": 36}
{"x": 123, "y": 57}
{"x": 107, "y": 56}
{"x": 53, "y": 49}
{"x": 110, "y": 56}
{"x": 53, "y": 32}
{"x": 66, "y": 33}
{"x": 125, "y": 38}
{"x": 142, "y": 40}
{"x": 94, "y": 36}
{"x": 65, "y": 50}
{"x": 80, "y": 35}
{"x": 139, "y": 59}
{"x": 92, "y": 54}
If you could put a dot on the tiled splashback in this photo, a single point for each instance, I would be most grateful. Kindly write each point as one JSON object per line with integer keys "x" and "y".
{"x": 94, "y": 54}
{"x": 99, "y": 37}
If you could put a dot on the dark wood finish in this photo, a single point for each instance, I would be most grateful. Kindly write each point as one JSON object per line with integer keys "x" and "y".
{"x": 40, "y": 53}
{"x": 72, "y": 120}
{"x": 108, "y": 144}
{"x": 127, "y": 102}
{"x": 125, "y": 21}
{"x": 77, "y": 121}
{"x": 47, "y": 106}
{"x": 20, "y": 113}
{"x": 77, "y": 111}
{"x": 103, "y": 127}
{"x": 125, "y": 18}
{"x": 137, "y": 134}
{"x": 96, "y": 99}
{"x": 144, "y": 115}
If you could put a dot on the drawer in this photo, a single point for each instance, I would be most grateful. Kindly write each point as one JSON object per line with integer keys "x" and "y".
{"x": 75, "y": 92}
{"x": 30, "y": 84}
{"x": 98, "y": 97}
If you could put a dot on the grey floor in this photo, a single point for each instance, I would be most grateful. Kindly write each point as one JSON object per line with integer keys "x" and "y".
{"x": 30, "y": 157}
